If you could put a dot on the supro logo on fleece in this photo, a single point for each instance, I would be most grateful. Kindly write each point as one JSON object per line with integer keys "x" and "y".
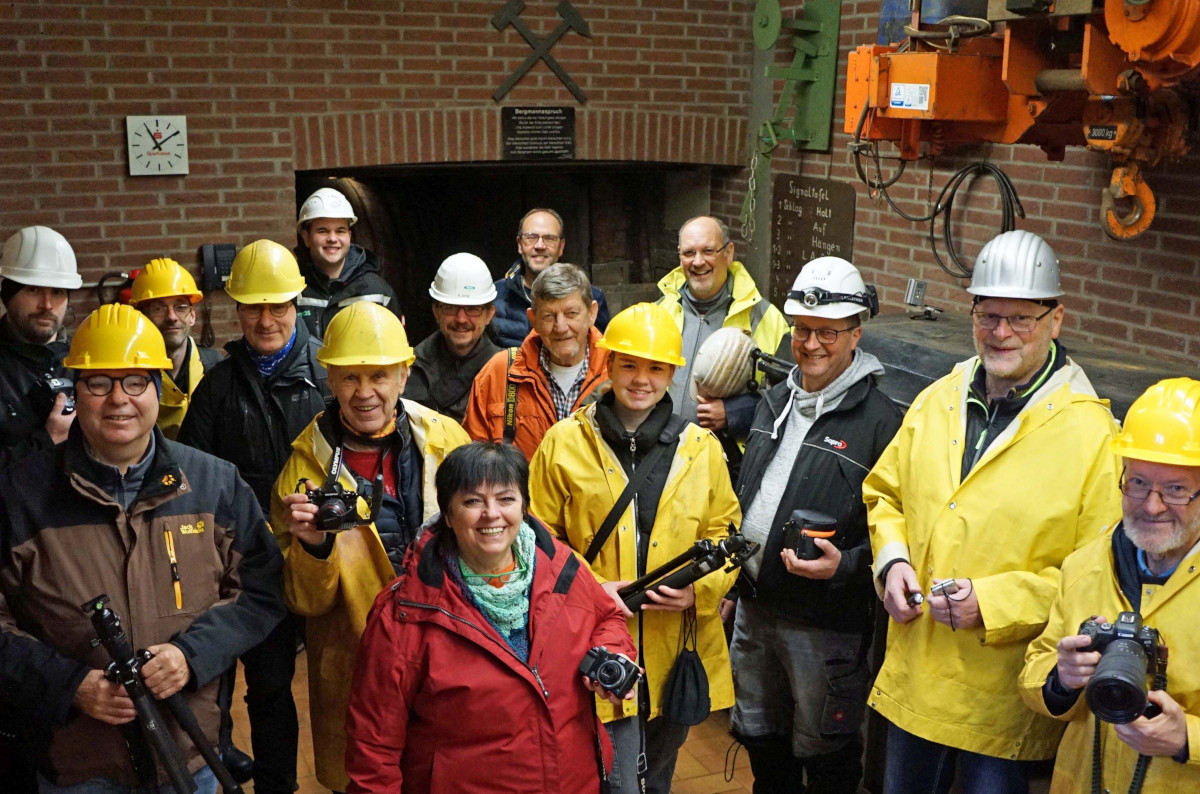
{"x": 835, "y": 443}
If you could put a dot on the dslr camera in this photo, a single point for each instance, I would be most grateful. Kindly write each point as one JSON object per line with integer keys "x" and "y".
{"x": 1129, "y": 652}
{"x": 802, "y": 527}
{"x": 613, "y": 672}
{"x": 335, "y": 505}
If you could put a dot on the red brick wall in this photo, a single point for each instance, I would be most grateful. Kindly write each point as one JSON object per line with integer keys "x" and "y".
{"x": 247, "y": 74}
{"x": 1140, "y": 296}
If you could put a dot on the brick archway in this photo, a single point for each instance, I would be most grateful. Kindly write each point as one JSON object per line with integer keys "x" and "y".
{"x": 395, "y": 137}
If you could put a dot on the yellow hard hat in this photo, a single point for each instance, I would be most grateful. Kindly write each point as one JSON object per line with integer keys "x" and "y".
{"x": 1163, "y": 425}
{"x": 365, "y": 333}
{"x": 117, "y": 336}
{"x": 264, "y": 272}
{"x": 645, "y": 330}
{"x": 164, "y": 278}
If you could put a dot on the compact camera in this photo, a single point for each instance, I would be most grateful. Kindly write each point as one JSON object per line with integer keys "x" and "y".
{"x": 1129, "y": 652}
{"x": 613, "y": 672}
{"x": 59, "y": 386}
{"x": 802, "y": 527}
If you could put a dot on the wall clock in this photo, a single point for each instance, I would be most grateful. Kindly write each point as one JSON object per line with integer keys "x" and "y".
{"x": 157, "y": 145}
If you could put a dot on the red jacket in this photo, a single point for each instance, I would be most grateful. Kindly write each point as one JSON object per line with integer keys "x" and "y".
{"x": 484, "y": 420}
{"x": 440, "y": 703}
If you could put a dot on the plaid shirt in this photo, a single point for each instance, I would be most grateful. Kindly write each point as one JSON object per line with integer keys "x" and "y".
{"x": 563, "y": 401}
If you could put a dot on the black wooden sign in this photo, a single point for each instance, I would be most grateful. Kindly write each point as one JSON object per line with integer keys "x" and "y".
{"x": 538, "y": 133}
{"x": 809, "y": 218}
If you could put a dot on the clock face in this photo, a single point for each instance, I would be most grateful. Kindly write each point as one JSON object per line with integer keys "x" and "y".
{"x": 157, "y": 145}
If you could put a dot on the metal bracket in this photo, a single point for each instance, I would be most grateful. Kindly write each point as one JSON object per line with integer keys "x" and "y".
{"x": 809, "y": 82}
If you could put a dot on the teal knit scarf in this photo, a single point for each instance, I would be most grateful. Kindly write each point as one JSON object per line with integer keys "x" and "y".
{"x": 506, "y": 606}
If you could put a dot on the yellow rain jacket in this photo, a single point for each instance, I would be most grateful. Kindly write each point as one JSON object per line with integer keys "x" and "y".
{"x": 335, "y": 594}
{"x": 1089, "y": 587}
{"x": 575, "y": 479}
{"x": 1046, "y": 486}
{"x": 748, "y": 311}
{"x": 174, "y": 401}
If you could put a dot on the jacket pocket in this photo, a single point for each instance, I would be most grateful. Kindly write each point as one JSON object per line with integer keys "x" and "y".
{"x": 187, "y": 568}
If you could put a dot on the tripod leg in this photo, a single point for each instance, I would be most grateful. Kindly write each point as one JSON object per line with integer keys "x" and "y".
{"x": 187, "y": 720}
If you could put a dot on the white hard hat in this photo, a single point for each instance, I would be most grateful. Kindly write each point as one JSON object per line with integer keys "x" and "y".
{"x": 1016, "y": 264}
{"x": 38, "y": 256}
{"x": 723, "y": 366}
{"x": 463, "y": 280}
{"x": 832, "y": 288}
{"x": 325, "y": 203}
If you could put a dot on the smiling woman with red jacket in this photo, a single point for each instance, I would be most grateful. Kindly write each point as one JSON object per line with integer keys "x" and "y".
{"x": 467, "y": 675}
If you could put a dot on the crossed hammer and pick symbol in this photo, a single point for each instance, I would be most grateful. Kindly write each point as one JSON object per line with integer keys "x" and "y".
{"x": 571, "y": 20}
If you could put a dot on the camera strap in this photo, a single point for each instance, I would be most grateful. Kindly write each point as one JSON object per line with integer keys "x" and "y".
{"x": 335, "y": 468}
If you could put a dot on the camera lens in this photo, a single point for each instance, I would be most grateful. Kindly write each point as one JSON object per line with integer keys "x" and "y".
{"x": 609, "y": 674}
{"x": 1116, "y": 692}
{"x": 330, "y": 514}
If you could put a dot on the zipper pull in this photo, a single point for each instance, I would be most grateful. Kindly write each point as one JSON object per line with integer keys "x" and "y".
{"x": 170, "y": 541}
{"x": 539, "y": 680}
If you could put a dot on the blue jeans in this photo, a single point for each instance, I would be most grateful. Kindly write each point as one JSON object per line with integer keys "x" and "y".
{"x": 663, "y": 740}
{"x": 918, "y": 766}
{"x": 206, "y": 783}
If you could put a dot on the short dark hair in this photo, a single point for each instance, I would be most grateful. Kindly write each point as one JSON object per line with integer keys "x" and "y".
{"x": 561, "y": 228}
{"x": 472, "y": 465}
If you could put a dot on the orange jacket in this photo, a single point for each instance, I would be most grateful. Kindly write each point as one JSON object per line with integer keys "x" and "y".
{"x": 535, "y": 414}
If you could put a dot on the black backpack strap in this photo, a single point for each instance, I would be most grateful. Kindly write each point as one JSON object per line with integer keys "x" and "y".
{"x": 510, "y": 401}
{"x": 666, "y": 441}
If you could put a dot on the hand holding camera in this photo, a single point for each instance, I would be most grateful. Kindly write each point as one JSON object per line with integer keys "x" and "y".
{"x": 610, "y": 674}
{"x": 898, "y": 591}
{"x": 1129, "y": 653}
{"x": 952, "y": 602}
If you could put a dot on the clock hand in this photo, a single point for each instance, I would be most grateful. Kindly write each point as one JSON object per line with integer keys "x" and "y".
{"x": 153, "y": 142}
{"x": 169, "y": 137}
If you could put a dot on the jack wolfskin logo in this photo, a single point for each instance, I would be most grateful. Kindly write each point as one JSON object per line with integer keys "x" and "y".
{"x": 189, "y": 529}
{"x": 835, "y": 443}
{"x": 168, "y": 479}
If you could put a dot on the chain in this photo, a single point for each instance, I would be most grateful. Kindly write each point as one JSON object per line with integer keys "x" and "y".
{"x": 748, "y": 206}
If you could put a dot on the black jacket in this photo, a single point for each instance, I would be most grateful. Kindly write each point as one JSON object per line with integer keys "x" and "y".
{"x": 250, "y": 421}
{"x": 64, "y": 540}
{"x": 25, "y": 397}
{"x": 324, "y": 297}
{"x": 440, "y": 381}
{"x": 838, "y": 452}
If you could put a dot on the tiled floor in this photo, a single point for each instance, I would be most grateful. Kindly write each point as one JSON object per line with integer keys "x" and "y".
{"x": 700, "y": 769}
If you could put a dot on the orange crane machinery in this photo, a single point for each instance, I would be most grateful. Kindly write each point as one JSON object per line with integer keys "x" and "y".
{"x": 1104, "y": 74}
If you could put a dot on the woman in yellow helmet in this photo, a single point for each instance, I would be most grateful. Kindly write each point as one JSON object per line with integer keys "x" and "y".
{"x": 577, "y": 475}
{"x": 366, "y": 432}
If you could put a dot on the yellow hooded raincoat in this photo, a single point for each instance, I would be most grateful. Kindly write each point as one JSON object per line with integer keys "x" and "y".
{"x": 335, "y": 594}
{"x": 1089, "y": 587}
{"x": 1044, "y": 487}
{"x": 574, "y": 481}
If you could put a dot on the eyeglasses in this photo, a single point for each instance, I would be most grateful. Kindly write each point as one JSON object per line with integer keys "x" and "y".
{"x": 102, "y": 385}
{"x": 451, "y": 310}
{"x": 705, "y": 253}
{"x": 1177, "y": 495}
{"x": 1019, "y": 323}
{"x": 826, "y": 336}
{"x": 157, "y": 310}
{"x": 529, "y": 238}
{"x": 255, "y": 310}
